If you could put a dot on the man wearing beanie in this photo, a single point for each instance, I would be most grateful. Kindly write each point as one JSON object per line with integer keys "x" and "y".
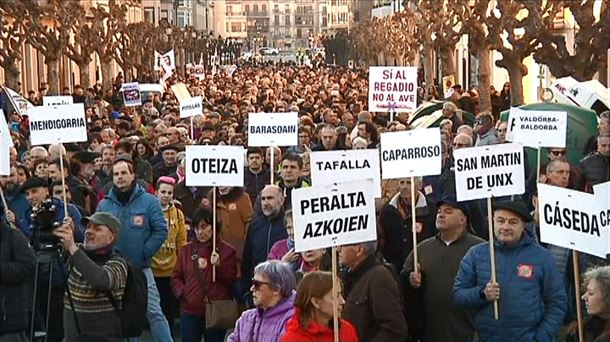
{"x": 94, "y": 270}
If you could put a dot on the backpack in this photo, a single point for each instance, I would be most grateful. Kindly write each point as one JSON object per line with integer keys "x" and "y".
{"x": 134, "y": 304}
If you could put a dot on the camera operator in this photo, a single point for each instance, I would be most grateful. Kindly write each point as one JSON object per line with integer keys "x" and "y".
{"x": 94, "y": 270}
{"x": 37, "y": 195}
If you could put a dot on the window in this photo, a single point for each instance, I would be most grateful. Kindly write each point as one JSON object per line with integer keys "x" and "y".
{"x": 247, "y": 8}
{"x": 276, "y": 20}
{"x": 255, "y": 8}
{"x": 227, "y": 29}
{"x": 183, "y": 18}
{"x": 299, "y": 33}
{"x": 149, "y": 14}
{"x": 287, "y": 9}
{"x": 164, "y": 15}
{"x": 264, "y": 9}
{"x": 235, "y": 27}
{"x": 287, "y": 20}
{"x": 229, "y": 10}
{"x": 184, "y": 3}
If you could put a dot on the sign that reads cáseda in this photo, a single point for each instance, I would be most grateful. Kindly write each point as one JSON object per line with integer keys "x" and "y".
{"x": 329, "y": 166}
{"x": 191, "y": 107}
{"x": 392, "y": 89}
{"x": 489, "y": 171}
{"x": 214, "y": 165}
{"x": 57, "y": 124}
{"x": 537, "y": 128}
{"x": 411, "y": 153}
{"x": 273, "y": 129}
{"x": 334, "y": 215}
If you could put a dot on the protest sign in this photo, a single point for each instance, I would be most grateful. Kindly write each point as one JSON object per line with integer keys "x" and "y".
{"x": 213, "y": 165}
{"x": 181, "y": 92}
{"x": 6, "y": 142}
{"x": 411, "y": 153}
{"x": 329, "y": 166}
{"x": 392, "y": 89}
{"x": 167, "y": 59}
{"x": 191, "y": 107}
{"x": 573, "y": 220}
{"x": 333, "y": 215}
{"x": 131, "y": 94}
{"x": 273, "y": 129}
{"x": 58, "y": 124}
{"x": 57, "y": 100}
{"x": 537, "y": 128}
{"x": 20, "y": 104}
{"x": 489, "y": 171}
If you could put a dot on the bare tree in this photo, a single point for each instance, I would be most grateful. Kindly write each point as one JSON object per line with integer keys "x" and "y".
{"x": 82, "y": 46}
{"x": 12, "y": 37}
{"x": 107, "y": 23}
{"x": 136, "y": 49}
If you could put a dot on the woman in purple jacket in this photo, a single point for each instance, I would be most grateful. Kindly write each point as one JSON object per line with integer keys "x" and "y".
{"x": 273, "y": 293}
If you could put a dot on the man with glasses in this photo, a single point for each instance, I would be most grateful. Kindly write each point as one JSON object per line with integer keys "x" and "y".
{"x": 486, "y": 133}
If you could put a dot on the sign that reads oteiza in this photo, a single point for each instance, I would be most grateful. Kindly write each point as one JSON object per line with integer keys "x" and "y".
{"x": 214, "y": 165}
{"x": 538, "y": 128}
{"x": 57, "y": 124}
{"x": 329, "y": 166}
{"x": 411, "y": 153}
{"x": 273, "y": 129}
{"x": 573, "y": 219}
{"x": 392, "y": 89}
{"x": 191, "y": 107}
{"x": 489, "y": 171}
{"x": 334, "y": 215}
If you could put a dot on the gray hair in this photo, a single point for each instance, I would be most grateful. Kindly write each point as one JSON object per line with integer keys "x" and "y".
{"x": 601, "y": 275}
{"x": 445, "y": 122}
{"x": 369, "y": 247}
{"x": 465, "y": 129}
{"x": 450, "y": 106}
{"x": 279, "y": 274}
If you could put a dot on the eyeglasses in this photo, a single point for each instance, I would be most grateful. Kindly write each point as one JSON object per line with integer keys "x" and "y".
{"x": 558, "y": 153}
{"x": 257, "y": 283}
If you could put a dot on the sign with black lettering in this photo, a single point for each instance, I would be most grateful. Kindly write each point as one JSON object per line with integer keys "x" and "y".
{"x": 57, "y": 124}
{"x": 6, "y": 142}
{"x": 536, "y": 128}
{"x": 329, "y": 166}
{"x": 573, "y": 219}
{"x": 57, "y": 100}
{"x": 392, "y": 89}
{"x": 489, "y": 171}
{"x": 411, "y": 153}
{"x": 213, "y": 165}
{"x": 131, "y": 94}
{"x": 273, "y": 129}
{"x": 333, "y": 215}
{"x": 191, "y": 107}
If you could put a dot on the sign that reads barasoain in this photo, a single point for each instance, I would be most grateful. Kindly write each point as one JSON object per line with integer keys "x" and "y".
{"x": 273, "y": 129}
{"x": 411, "y": 153}
{"x": 334, "y": 215}
{"x": 489, "y": 171}
{"x": 327, "y": 167}
{"x": 214, "y": 165}
{"x": 392, "y": 89}
{"x": 57, "y": 124}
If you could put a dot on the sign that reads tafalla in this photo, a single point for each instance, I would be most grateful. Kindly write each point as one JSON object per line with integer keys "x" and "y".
{"x": 392, "y": 89}
{"x": 411, "y": 153}
{"x": 273, "y": 129}
{"x": 57, "y": 124}
{"x": 534, "y": 128}
{"x": 213, "y": 165}
{"x": 327, "y": 167}
{"x": 191, "y": 107}
{"x": 334, "y": 215}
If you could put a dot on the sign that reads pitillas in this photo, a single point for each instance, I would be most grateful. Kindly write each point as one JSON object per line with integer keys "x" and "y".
{"x": 273, "y": 129}
{"x": 334, "y": 215}
{"x": 350, "y": 165}
{"x": 191, "y": 107}
{"x": 57, "y": 124}
{"x": 214, "y": 165}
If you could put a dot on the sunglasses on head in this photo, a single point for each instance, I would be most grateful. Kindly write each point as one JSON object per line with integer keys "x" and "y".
{"x": 257, "y": 283}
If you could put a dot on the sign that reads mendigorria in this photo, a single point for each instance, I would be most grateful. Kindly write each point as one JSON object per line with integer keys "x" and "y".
{"x": 57, "y": 124}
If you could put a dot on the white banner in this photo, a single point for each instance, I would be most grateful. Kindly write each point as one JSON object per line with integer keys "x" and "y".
{"x": 167, "y": 58}
{"x": 573, "y": 219}
{"x": 392, "y": 89}
{"x": 131, "y": 94}
{"x": 350, "y": 165}
{"x": 411, "y": 153}
{"x": 191, "y": 107}
{"x": 333, "y": 215}
{"x": 57, "y": 100}
{"x": 273, "y": 129}
{"x": 489, "y": 171}
{"x": 6, "y": 142}
{"x": 19, "y": 102}
{"x": 534, "y": 128}
{"x": 213, "y": 165}
{"x": 58, "y": 124}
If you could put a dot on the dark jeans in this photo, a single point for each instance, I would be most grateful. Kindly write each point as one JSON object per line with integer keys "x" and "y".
{"x": 55, "y": 330}
{"x": 169, "y": 303}
{"x": 192, "y": 329}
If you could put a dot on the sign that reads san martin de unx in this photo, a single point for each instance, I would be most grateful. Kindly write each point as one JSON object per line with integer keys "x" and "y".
{"x": 327, "y": 167}
{"x": 273, "y": 129}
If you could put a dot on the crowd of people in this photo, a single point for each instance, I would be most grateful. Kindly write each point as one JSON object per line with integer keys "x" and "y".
{"x": 127, "y": 204}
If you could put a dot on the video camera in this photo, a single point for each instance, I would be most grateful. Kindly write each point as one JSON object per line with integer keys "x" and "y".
{"x": 44, "y": 223}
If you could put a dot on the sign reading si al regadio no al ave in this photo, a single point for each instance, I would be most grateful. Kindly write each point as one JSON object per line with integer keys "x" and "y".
{"x": 392, "y": 89}
{"x": 333, "y": 215}
{"x": 58, "y": 124}
{"x": 213, "y": 165}
{"x": 191, "y": 107}
{"x": 573, "y": 219}
{"x": 489, "y": 171}
{"x": 411, "y": 153}
{"x": 350, "y": 165}
{"x": 273, "y": 129}
{"x": 535, "y": 128}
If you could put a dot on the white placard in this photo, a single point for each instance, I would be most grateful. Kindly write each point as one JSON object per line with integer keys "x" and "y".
{"x": 273, "y": 129}
{"x": 327, "y": 167}
{"x": 166, "y": 60}
{"x": 333, "y": 215}
{"x": 6, "y": 142}
{"x": 573, "y": 219}
{"x": 58, "y": 124}
{"x": 489, "y": 171}
{"x": 131, "y": 94}
{"x": 191, "y": 107}
{"x": 19, "y": 102}
{"x": 214, "y": 165}
{"x": 411, "y": 153}
{"x": 392, "y": 89}
{"x": 57, "y": 100}
{"x": 535, "y": 128}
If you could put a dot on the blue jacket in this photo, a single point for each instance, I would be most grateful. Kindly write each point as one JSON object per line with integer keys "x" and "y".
{"x": 143, "y": 226}
{"x": 17, "y": 203}
{"x": 533, "y": 299}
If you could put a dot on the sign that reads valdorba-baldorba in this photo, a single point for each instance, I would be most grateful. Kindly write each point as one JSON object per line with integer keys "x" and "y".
{"x": 489, "y": 171}
{"x": 57, "y": 124}
{"x": 411, "y": 153}
{"x": 535, "y": 128}
{"x": 327, "y": 167}
{"x": 273, "y": 129}
{"x": 212, "y": 165}
{"x": 334, "y": 215}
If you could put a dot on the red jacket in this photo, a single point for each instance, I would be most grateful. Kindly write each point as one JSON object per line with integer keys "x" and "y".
{"x": 185, "y": 282}
{"x": 316, "y": 332}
